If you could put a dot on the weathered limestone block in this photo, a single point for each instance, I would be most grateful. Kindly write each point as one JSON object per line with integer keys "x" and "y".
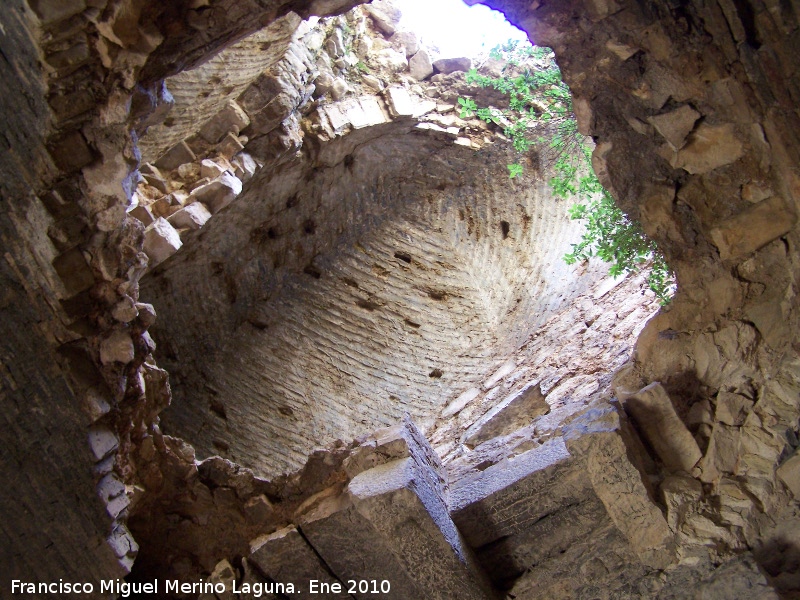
{"x": 675, "y": 125}
{"x": 753, "y": 228}
{"x": 457, "y": 405}
{"x": 161, "y": 241}
{"x": 451, "y": 65}
{"x": 390, "y": 60}
{"x": 393, "y": 443}
{"x": 406, "y": 41}
{"x": 722, "y": 454}
{"x": 219, "y": 193}
{"x": 245, "y": 166}
{"x": 179, "y": 154}
{"x": 230, "y": 119}
{"x": 399, "y": 101}
{"x": 509, "y": 415}
{"x": 709, "y": 147}
{"x": 789, "y": 473}
{"x": 193, "y": 216}
{"x": 655, "y": 416}
{"x": 512, "y": 495}
{"x": 385, "y": 14}
{"x": 681, "y": 495}
{"x": 230, "y": 146}
{"x": 144, "y": 214}
{"x": 117, "y": 347}
{"x": 286, "y": 557}
{"x": 210, "y": 168}
{"x": 600, "y": 437}
{"x": 392, "y": 524}
{"x": 102, "y": 441}
{"x": 420, "y": 65}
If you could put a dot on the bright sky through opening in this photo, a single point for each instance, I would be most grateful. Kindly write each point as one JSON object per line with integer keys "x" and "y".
{"x": 455, "y": 28}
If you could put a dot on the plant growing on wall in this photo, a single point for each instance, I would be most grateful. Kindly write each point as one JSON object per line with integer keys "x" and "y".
{"x": 540, "y": 114}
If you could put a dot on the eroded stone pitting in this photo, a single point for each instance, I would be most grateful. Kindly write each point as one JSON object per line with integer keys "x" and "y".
{"x": 390, "y": 286}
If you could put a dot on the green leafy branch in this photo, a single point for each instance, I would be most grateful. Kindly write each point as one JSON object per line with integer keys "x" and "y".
{"x": 540, "y": 114}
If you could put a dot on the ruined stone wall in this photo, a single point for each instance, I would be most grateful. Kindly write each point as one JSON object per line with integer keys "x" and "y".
{"x": 694, "y": 108}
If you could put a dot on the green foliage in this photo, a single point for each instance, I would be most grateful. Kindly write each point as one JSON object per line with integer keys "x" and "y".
{"x": 361, "y": 66}
{"x": 540, "y": 114}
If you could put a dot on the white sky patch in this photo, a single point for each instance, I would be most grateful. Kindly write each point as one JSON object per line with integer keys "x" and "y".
{"x": 455, "y": 28}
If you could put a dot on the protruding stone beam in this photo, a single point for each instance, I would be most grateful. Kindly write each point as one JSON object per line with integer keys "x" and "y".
{"x": 391, "y": 523}
{"x": 540, "y": 511}
{"x": 286, "y": 558}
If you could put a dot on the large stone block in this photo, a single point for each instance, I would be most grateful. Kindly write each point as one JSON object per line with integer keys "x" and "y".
{"x": 615, "y": 471}
{"x": 654, "y": 414}
{"x": 512, "y": 495}
{"x": 286, "y": 557}
{"x": 753, "y": 228}
{"x": 509, "y": 415}
{"x": 230, "y": 119}
{"x": 161, "y": 241}
{"x": 451, "y": 65}
{"x": 420, "y": 65}
{"x": 217, "y": 194}
{"x": 193, "y": 216}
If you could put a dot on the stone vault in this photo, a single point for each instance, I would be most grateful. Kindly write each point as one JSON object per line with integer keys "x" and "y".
{"x": 407, "y": 258}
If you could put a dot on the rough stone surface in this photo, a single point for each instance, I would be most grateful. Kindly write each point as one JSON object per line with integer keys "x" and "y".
{"x": 451, "y": 65}
{"x": 85, "y": 87}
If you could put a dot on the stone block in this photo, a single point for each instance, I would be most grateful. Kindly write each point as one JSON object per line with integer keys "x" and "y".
{"x": 143, "y": 214}
{"x": 399, "y": 102}
{"x": 675, "y": 125}
{"x": 210, "y": 169}
{"x": 406, "y": 41}
{"x": 230, "y": 119}
{"x": 509, "y": 415}
{"x": 392, "y": 524}
{"x": 709, "y": 147}
{"x": 722, "y": 454}
{"x": 117, "y": 347}
{"x": 230, "y": 146}
{"x": 286, "y": 557}
{"x": 681, "y": 494}
{"x": 452, "y": 65}
{"x": 753, "y": 228}
{"x": 614, "y": 467}
{"x": 513, "y": 494}
{"x": 176, "y": 156}
{"x": 655, "y": 416}
{"x": 385, "y": 14}
{"x": 245, "y": 166}
{"x": 74, "y": 272}
{"x": 420, "y": 65}
{"x": 192, "y": 217}
{"x": 217, "y": 194}
{"x": 102, "y": 441}
{"x": 161, "y": 241}
{"x": 789, "y": 473}
{"x": 457, "y": 405}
